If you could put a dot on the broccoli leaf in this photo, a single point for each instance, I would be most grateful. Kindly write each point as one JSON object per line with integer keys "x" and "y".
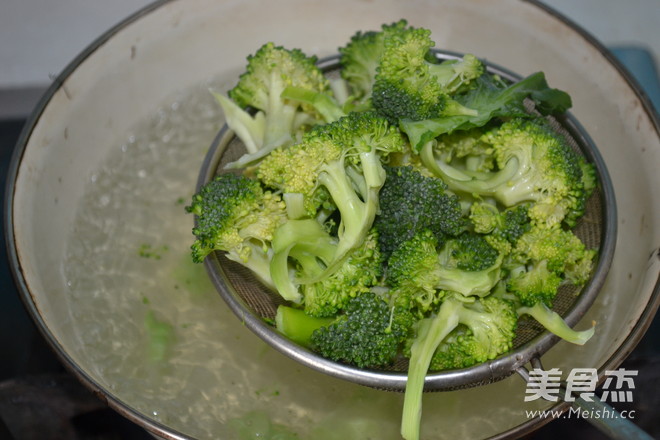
{"x": 490, "y": 98}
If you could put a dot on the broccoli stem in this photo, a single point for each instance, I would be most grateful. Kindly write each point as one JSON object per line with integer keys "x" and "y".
{"x": 248, "y": 128}
{"x": 357, "y": 216}
{"x": 295, "y": 205}
{"x": 305, "y": 241}
{"x": 278, "y": 130}
{"x": 258, "y": 262}
{"x": 555, "y": 324}
{"x": 297, "y": 325}
{"x": 458, "y": 180}
{"x": 468, "y": 283}
{"x": 430, "y": 333}
{"x": 322, "y": 102}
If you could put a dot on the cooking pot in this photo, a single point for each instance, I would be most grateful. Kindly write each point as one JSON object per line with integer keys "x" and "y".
{"x": 98, "y": 237}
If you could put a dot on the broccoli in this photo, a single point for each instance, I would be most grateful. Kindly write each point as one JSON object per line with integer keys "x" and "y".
{"x": 491, "y": 323}
{"x": 368, "y": 333}
{"x": 552, "y": 322}
{"x": 563, "y": 251}
{"x": 534, "y": 283}
{"x": 412, "y": 208}
{"x": 352, "y": 180}
{"x": 466, "y": 264}
{"x": 236, "y": 215}
{"x": 467, "y": 147}
{"x": 410, "y": 203}
{"x": 409, "y": 86}
{"x": 501, "y": 229}
{"x": 277, "y": 121}
{"x": 355, "y": 276}
{"x": 488, "y": 334}
{"x": 535, "y": 164}
{"x": 296, "y": 170}
{"x": 360, "y": 59}
{"x": 490, "y": 98}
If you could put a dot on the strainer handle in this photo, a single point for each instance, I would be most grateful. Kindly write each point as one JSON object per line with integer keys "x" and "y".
{"x": 616, "y": 427}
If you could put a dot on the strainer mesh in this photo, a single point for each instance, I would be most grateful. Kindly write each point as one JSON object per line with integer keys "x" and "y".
{"x": 264, "y": 302}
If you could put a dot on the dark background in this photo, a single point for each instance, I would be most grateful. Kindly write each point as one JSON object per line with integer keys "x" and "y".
{"x": 40, "y": 400}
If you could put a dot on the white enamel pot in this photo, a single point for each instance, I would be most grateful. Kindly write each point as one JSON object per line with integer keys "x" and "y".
{"x": 215, "y": 370}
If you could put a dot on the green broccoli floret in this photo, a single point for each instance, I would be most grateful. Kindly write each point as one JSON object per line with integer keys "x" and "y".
{"x": 535, "y": 164}
{"x": 359, "y": 272}
{"x": 501, "y": 229}
{"x": 466, "y": 264}
{"x": 466, "y": 147}
{"x": 409, "y": 86}
{"x": 484, "y": 336}
{"x": 296, "y": 170}
{"x": 534, "y": 283}
{"x": 490, "y": 98}
{"x": 360, "y": 59}
{"x": 235, "y": 215}
{"x": 411, "y": 202}
{"x": 368, "y": 333}
{"x": 352, "y": 181}
{"x": 277, "y": 121}
{"x": 492, "y": 324}
{"x": 563, "y": 251}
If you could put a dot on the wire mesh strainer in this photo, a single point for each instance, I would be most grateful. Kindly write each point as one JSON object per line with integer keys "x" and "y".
{"x": 256, "y": 305}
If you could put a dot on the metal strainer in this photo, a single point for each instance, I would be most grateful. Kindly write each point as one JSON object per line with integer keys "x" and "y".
{"x": 256, "y": 305}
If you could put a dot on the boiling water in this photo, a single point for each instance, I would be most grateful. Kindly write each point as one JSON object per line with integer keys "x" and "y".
{"x": 128, "y": 265}
{"x": 153, "y": 331}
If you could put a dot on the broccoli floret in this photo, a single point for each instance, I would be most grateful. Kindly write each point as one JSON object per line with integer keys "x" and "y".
{"x": 296, "y": 169}
{"x": 492, "y": 324}
{"x": 277, "y": 121}
{"x": 565, "y": 254}
{"x": 467, "y": 265}
{"x": 359, "y": 272}
{"x": 469, "y": 252}
{"x": 352, "y": 181}
{"x": 411, "y": 202}
{"x": 367, "y": 334}
{"x": 534, "y": 283}
{"x": 409, "y": 86}
{"x": 501, "y": 229}
{"x": 542, "y": 260}
{"x": 235, "y": 215}
{"x": 485, "y": 335}
{"x": 535, "y": 164}
{"x": 466, "y": 147}
{"x": 361, "y": 57}
{"x": 490, "y": 99}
